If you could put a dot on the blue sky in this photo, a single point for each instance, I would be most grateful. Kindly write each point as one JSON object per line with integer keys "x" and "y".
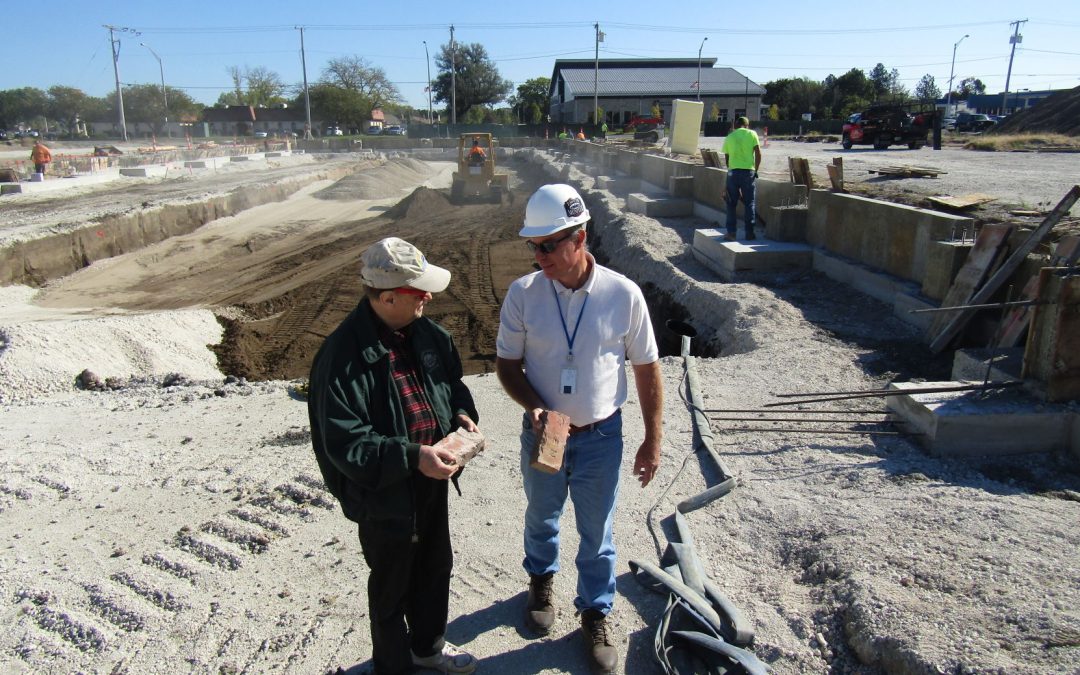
{"x": 198, "y": 40}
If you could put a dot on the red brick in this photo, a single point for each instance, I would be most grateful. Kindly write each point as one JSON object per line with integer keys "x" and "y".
{"x": 548, "y": 454}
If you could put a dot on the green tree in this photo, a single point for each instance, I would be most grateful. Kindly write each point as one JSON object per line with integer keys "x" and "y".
{"x": 22, "y": 106}
{"x": 793, "y": 96}
{"x": 477, "y": 79}
{"x": 352, "y": 73}
{"x": 256, "y": 87}
{"x": 347, "y": 107}
{"x": 68, "y": 105}
{"x": 927, "y": 90}
{"x": 534, "y": 114}
{"x": 533, "y": 92}
{"x": 969, "y": 86}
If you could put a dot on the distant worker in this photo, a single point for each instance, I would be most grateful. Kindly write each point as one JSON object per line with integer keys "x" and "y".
{"x": 40, "y": 156}
{"x": 580, "y": 134}
{"x": 603, "y": 130}
{"x": 477, "y": 154}
{"x": 563, "y": 135}
{"x": 742, "y": 156}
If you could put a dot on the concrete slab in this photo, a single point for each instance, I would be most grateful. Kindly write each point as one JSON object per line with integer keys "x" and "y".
{"x": 196, "y": 164}
{"x": 10, "y": 189}
{"x": 657, "y": 207}
{"x": 135, "y": 172}
{"x": 966, "y": 423}
{"x": 239, "y": 158}
{"x": 729, "y": 259}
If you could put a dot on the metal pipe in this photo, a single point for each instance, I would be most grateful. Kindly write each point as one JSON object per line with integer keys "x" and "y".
{"x": 992, "y": 305}
{"x": 801, "y": 412}
{"x": 820, "y": 432}
{"x": 893, "y": 392}
{"x": 832, "y": 420}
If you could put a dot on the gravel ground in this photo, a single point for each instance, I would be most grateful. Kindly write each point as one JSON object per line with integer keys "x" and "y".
{"x": 178, "y": 523}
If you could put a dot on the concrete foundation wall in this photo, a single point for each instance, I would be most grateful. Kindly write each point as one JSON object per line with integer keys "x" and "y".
{"x": 36, "y": 261}
{"x": 659, "y": 170}
{"x": 891, "y": 237}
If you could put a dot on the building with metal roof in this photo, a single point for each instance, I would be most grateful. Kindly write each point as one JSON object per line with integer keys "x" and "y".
{"x": 624, "y": 88}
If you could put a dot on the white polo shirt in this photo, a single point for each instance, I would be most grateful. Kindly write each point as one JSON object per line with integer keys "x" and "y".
{"x": 614, "y": 327}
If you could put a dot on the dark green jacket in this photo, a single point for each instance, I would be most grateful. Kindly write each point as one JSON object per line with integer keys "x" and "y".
{"x": 357, "y": 423}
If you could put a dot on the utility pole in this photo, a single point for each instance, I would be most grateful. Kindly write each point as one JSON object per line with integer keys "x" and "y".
{"x": 700, "y": 47}
{"x": 596, "y": 76}
{"x": 114, "y": 43}
{"x": 948, "y": 97}
{"x": 453, "y": 78}
{"x": 1014, "y": 39}
{"x": 164, "y": 94}
{"x": 307, "y": 96}
{"x": 427, "y": 60}
{"x": 746, "y": 98}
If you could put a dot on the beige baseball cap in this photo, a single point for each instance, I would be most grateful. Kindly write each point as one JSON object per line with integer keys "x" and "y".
{"x": 394, "y": 262}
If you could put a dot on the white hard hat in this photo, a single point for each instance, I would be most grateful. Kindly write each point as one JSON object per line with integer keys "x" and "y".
{"x": 553, "y": 208}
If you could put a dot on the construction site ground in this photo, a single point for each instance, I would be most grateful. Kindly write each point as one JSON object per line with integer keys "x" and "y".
{"x": 177, "y": 523}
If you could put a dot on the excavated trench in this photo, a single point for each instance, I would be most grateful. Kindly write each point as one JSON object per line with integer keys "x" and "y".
{"x": 277, "y": 337}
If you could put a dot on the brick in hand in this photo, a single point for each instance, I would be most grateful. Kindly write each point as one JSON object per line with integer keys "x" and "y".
{"x": 548, "y": 454}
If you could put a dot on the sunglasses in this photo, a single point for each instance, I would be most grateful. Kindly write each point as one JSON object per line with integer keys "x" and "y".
{"x": 405, "y": 290}
{"x": 548, "y": 247}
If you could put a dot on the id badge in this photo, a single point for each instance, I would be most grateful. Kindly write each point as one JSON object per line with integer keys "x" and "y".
{"x": 568, "y": 380}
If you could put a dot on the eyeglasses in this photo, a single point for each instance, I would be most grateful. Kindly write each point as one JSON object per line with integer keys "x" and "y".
{"x": 548, "y": 247}
{"x": 405, "y": 290}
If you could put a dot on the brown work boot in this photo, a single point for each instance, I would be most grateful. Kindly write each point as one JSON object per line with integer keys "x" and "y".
{"x": 603, "y": 657}
{"x": 539, "y": 614}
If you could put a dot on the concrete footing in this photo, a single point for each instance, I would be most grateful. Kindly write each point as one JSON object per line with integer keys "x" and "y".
{"x": 239, "y": 158}
{"x": 978, "y": 365}
{"x": 135, "y": 172}
{"x": 787, "y": 223}
{"x": 730, "y": 258}
{"x": 657, "y": 207}
{"x": 10, "y": 189}
{"x": 964, "y": 423}
{"x": 196, "y": 164}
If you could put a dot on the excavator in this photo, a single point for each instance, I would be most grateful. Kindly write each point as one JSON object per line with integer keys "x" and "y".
{"x": 475, "y": 178}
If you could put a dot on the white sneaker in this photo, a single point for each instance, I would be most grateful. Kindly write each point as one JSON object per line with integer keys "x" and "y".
{"x": 450, "y": 659}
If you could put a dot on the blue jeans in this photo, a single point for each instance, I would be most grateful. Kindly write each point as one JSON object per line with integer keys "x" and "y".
{"x": 590, "y": 473}
{"x": 741, "y": 182}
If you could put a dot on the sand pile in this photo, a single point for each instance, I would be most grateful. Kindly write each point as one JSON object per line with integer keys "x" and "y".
{"x": 388, "y": 180}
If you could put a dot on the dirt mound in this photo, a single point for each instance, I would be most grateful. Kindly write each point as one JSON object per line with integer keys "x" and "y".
{"x": 421, "y": 203}
{"x": 386, "y": 181}
{"x": 1059, "y": 114}
{"x": 280, "y": 330}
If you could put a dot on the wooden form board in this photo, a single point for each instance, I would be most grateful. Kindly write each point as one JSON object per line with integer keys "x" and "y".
{"x": 711, "y": 158}
{"x": 1016, "y": 320}
{"x": 836, "y": 174}
{"x": 908, "y": 171}
{"x": 1052, "y": 355}
{"x": 962, "y": 202}
{"x": 981, "y": 261}
{"x": 959, "y": 319}
{"x": 799, "y": 168}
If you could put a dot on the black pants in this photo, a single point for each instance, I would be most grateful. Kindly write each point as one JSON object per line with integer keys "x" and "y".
{"x": 409, "y": 583}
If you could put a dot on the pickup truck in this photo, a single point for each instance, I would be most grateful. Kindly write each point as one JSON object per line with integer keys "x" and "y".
{"x": 973, "y": 122}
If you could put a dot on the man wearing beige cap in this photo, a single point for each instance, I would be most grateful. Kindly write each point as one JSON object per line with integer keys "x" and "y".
{"x": 385, "y": 387}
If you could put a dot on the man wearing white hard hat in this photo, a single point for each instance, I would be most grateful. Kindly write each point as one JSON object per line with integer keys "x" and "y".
{"x": 565, "y": 333}
{"x": 385, "y": 387}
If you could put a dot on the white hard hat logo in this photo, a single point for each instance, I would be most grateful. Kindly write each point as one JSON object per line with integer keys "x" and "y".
{"x": 574, "y": 207}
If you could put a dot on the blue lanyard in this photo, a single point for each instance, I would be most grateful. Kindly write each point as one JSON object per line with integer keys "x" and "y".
{"x": 569, "y": 338}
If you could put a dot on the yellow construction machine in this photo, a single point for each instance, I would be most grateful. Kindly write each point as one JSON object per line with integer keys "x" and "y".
{"x": 475, "y": 178}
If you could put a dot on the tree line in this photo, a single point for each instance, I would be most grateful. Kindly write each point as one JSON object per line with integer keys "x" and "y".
{"x": 347, "y": 91}
{"x": 837, "y": 97}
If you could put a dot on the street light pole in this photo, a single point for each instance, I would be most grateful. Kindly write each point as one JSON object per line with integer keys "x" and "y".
{"x": 427, "y": 60}
{"x": 164, "y": 94}
{"x": 948, "y": 97}
{"x": 699, "y": 68}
